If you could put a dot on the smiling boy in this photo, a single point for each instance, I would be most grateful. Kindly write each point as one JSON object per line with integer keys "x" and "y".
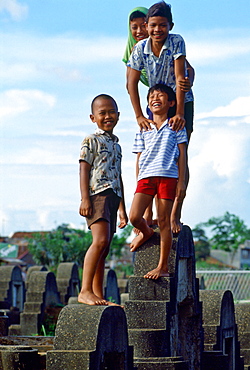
{"x": 161, "y": 156}
{"x": 102, "y": 195}
{"x": 162, "y": 56}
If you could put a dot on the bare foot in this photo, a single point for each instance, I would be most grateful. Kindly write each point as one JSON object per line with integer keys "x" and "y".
{"x": 92, "y": 299}
{"x": 113, "y": 304}
{"x": 140, "y": 239}
{"x": 156, "y": 273}
{"x": 176, "y": 226}
{"x": 136, "y": 231}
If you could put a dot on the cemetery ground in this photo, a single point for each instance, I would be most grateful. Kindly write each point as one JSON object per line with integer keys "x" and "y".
{"x": 172, "y": 323}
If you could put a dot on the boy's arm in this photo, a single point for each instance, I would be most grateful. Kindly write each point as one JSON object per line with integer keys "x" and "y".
{"x": 178, "y": 122}
{"x": 187, "y": 82}
{"x": 133, "y": 78}
{"x": 137, "y": 165}
{"x": 122, "y": 209}
{"x": 85, "y": 206}
{"x": 182, "y": 165}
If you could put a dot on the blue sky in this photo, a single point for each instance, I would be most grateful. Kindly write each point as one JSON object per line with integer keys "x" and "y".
{"x": 57, "y": 55}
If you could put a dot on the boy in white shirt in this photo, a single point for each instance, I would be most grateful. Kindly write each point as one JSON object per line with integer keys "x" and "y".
{"x": 161, "y": 156}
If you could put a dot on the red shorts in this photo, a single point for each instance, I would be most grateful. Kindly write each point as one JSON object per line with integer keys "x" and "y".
{"x": 164, "y": 187}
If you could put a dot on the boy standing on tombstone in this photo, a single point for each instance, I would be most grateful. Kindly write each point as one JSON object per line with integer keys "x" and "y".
{"x": 102, "y": 195}
{"x": 162, "y": 56}
{"x": 161, "y": 156}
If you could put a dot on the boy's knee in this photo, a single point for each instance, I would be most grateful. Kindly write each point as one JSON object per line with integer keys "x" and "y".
{"x": 102, "y": 244}
{"x": 164, "y": 223}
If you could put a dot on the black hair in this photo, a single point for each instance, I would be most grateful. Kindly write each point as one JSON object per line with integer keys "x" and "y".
{"x": 163, "y": 88}
{"x": 136, "y": 14}
{"x": 103, "y": 96}
{"x": 160, "y": 9}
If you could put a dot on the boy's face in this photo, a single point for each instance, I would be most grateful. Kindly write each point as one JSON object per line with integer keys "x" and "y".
{"x": 158, "y": 102}
{"x": 138, "y": 29}
{"x": 158, "y": 28}
{"x": 105, "y": 114}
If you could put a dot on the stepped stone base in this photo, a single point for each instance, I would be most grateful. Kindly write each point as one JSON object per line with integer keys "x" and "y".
{"x": 245, "y": 340}
{"x": 162, "y": 363}
{"x": 146, "y": 289}
{"x": 152, "y": 342}
{"x": 29, "y": 323}
{"x": 19, "y": 357}
{"x": 68, "y": 360}
{"x": 210, "y": 334}
{"x": 146, "y": 314}
{"x": 246, "y": 354}
{"x": 216, "y": 359}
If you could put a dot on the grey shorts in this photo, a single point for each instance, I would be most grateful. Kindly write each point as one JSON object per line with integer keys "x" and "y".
{"x": 105, "y": 206}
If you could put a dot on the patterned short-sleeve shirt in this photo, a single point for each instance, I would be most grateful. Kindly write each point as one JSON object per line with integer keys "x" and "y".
{"x": 103, "y": 153}
{"x": 159, "y": 69}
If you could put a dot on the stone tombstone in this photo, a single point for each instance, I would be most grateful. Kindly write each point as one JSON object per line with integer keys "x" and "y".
{"x": 91, "y": 338}
{"x": 41, "y": 295}
{"x": 186, "y": 334}
{"x": 18, "y": 357}
{"x": 147, "y": 309}
{"x": 227, "y": 334}
{"x": 68, "y": 282}
{"x": 12, "y": 288}
{"x": 242, "y": 313}
{"x": 111, "y": 291}
{"x": 4, "y": 323}
{"x": 32, "y": 269}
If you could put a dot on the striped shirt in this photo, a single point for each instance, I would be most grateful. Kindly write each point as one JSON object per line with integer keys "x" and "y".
{"x": 159, "y": 151}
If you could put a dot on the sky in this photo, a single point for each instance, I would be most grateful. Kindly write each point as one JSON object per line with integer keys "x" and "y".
{"x": 57, "y": 55}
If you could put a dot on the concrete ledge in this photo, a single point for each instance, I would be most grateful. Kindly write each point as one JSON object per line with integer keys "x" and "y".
{"x": 152, "y": 342}
{"x": 146, "y": 289}
{"x": 146, "y": 314}
{"x": 210, "y": 334}
{"x": 67, "y": 360}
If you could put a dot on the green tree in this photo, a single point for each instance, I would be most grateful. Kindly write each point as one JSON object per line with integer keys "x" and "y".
{"x": 61, "y": 245}
{"x": 228, "y": 232}
{"x": 118, "y": 242}
{"x": 201, "y": 243}
{"x": 68, "y": 245}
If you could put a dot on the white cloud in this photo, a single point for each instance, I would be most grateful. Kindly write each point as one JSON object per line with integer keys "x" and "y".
{"x": 237, "y": 108}
{"x": 52, "y": 49}
{"x": 15, "y": 9}
{"x": 14, "y": 102}
{"x": 214, "y": 46}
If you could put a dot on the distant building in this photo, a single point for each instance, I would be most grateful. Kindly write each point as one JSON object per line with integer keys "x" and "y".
{"x": 239, "y": 260}
{"x": 245, "y": 254}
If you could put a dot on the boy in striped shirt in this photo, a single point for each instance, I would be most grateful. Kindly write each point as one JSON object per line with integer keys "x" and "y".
{"x": 161, "y": 163}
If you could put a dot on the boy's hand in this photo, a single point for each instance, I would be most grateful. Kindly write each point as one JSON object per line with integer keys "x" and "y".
{"x": 185, "y": 84}
{"x": 180, "y": 191}
{"x": 177, "y": 122}
{"x": 144, "y": 123}
{"x": 123, "y": 220}
{"x": 85, "y": 208}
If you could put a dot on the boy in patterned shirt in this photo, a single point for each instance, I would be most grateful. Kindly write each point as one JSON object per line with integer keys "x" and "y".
{"x": 102, "y": 195}
{"x": 161, "y": 158}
